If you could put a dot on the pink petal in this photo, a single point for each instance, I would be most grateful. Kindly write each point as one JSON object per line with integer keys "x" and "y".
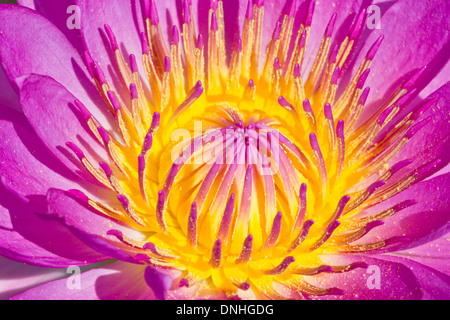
{"x": 418, "y": 224}
{"x": 43, "y": 49}
{"x": 16, "y": 277}
{"x": 50, "y": 108}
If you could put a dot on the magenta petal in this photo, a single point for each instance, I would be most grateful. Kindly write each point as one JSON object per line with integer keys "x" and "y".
{"x": 116, "y": 281}
{"x": 434, "y": 254}
{"x": 433, "y": 284}
{"x": 158, "y": 281}
{"x": 115, "y": 14}
{"x": 32, "y": 174}
{"x": 59, "y": 12}
{"x": 423, "y": 222}
{"x": 416, "y": 35}
{"x": 23, "y": 237}
{"x": 396, "y": 281}
{"x": 43, "y": 49}
{"x": 432, "y": 142}
{"x": 8, "y": 97}
{"x": 89, "y": 226}
{"x": 27, "y": 3}
{"x": 16, "y": 277}
{"x": 50, "y": 108}
{"x": 21, "y": 230}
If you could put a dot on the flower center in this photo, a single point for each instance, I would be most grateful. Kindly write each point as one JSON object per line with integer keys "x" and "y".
{"x": 238, "y": 174}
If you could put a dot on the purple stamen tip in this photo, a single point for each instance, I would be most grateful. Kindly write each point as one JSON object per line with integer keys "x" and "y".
{"x": 374, "y": 186}
{"x": 324, "y": 268}
{"x": 282, "y": 266}
{"x": 116, "y": 233}
{"x": 249, "y": 13}
{"x": 335, "y": 76}
{"x": 113, "y": 99}
{"x": 335, "y": 291}
{"x": 214, "y": 4}
{"x": 373, "y": 224}
{"x": 133, "y": 63}
{"x": 362, "y": 79}
{"x": 78, "y": 194}
{"x": 334, "y": 54}
{"x": 175, "y": 35}
{"x": 186, "y": 12}
{"x": 413, "y": 80}
{"x": 399, "y": 165}
{"x": 155, "y": 122}
{"x": 282, "y": 101}
{"x": 183, "y": 283}
{"x": 216, "y": 254}
{"x": 98, "y": 73}
{"x": 76, "y": 150}
{"x": 309, "y": 17}
{"x": 358, "y": 25}
{"x": 103, "y": 134}
{"x": 244, "y": 286}
{"x": 292, "y": 8}
{"x": 214, "y": 25}
{"x": 276, "y": 64}
{"x": 404, "y": 204}
{"x": 83, "y": 110}
{"x": 133, "y": 91}
{"x": 302, "y": 39}
{"x": 307, "y": 106}
{"x": 344, "y": 200}
{"x": 384, "y": 115}
{"x": 154, "y": 18}
{"x": 313, "y": 141}
{"x": 198, "y": 90}
{"x": 277, "y": 31}
{"x": 330, "y": 27}
{"x": 307, "y": 224}
{"x": 123, "y": 201}
{"x": 251, "y": 84}
{"x": 89, "y": 63}
{"x": 141, "y": 163}
{"x": 144, "y": 44}
{"x": 112, "y": 38}
{"x": 148, "y": 141}
{"x": 200, "y": 43}
{"x": 303, "y": 188}
{"x": 106, "y": 169}
{"x": 333, "y": 226}
{"x": 328, "y": 112}
{"x": 340, "y": 128}
{"x": 297, "y": 72}
{"x": 416, "y": 127}
{"x": 373, "y": 50}
{"x": 259, "y": 3}
{"x": 193, "y": 212}
{"x": 363, "y": 98}
{"x": 166, "y": 64}
{"x": 149, "y": 246}
{"x": 146, "y": 9}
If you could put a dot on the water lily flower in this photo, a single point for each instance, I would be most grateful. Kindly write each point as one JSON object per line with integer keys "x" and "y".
{"x": 278, "y": 149}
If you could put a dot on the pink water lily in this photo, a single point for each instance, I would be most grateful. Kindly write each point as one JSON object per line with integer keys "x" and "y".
{"x": 248, "y": 149}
